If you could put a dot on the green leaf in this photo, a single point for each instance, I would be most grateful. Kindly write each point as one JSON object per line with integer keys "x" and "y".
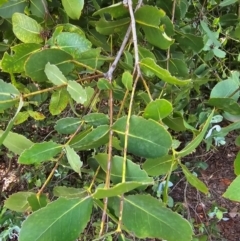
{"x": 54, "y": 74}
{"x": 11, "y": 122}
{"x": 38, "y": 8}
{"x": 36, "y": 115}
{"x": 8, "y": 93}
{"x": 103, "y": 84}
{"x": 151, "y": 219}
{"x": 91, "y": 59}
{"x": 161, "y": 73}
{"x": 67, "y": 125}
{"x": 16, "y": 143}
{"x": 176, "y": 123}
{"x": 145, "y": 53}
{"x": 194, "y": 181}
{"x": 54, "y": 56}
{"x": 18, "y": 201}
{"x": 197, "y": 140}
{"x": 37, "y": 202}
{"x": 73, "y": 8}
{"x": 147, "y": 138}
{"x": 225, "y": 89}
{"x": 227, "y": 104}
{"x": 26, "y": 29}
{"x": 190, "y": 41}
{"x": 59, "y": 101}
{"x": 219, "y": 53}
{"x": 149, "y": 16}
{"x": 21, "y": 117}
{"x": 15, "y": 63}
{"x": 40, "y": 152}
{"x": 233, "y": 191}
{"x": 69, "y": 192}
{"x": 210, "y": 34}
{"x": 77, "y": 92}
{"x": 133, "y": 171}
{"x": 73, "y": 159}
{"x": 72, "y": 43}
{"x": 11, "y": 7}
{"x": 70, "y": 214}
{"x": 127, "y": 80}
{"x": 158, "y": 109}
{"x": 158, "y": 166}
{"x": 115, "y": 10}
{"x": 94, "y": 139}
{"x": 225, "y": 3}
{"x": 109, "y": 27}
{"x": 96, "y": 119}
{"x": 118, "y": 189}
{"x": 178, "y": 67}
{"x": 237, "y": 164}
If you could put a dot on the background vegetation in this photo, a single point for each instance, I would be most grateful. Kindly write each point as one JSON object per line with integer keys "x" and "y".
{"x": 100, "y": 102}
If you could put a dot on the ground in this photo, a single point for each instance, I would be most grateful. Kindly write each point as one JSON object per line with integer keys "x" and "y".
{"x": 196, "y": 206}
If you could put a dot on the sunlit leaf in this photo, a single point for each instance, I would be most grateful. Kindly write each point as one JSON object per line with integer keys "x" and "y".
{"x": 161, "y": 73}
{"x": 26, "y": 29}
{"x": 40, "y": 152}
{"x": 72, "y": 214}
{"x": 151, "y": 218}
{"x": 73, "y": 8}
{"x": 146, "y": 138}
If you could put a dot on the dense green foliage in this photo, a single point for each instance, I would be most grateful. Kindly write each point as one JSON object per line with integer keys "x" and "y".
{"x": 122, "y": 92}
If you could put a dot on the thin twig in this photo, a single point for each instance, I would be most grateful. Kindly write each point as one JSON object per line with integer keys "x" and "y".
{"x": 138, "y": 75}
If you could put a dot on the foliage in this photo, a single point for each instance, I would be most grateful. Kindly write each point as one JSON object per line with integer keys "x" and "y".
{"x": 123, "y": 82}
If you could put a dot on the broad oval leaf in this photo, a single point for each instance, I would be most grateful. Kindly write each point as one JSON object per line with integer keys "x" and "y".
{"x": 227, "y": 104}
{"x": 16, "y": 143}
{"x": 127, "y": 80}
{"x": 18, "y": 202}
{"x": 7, "y": 95}
{"x": 158, "y": 166}
{"x": 151, "y": 218}
{"x": 72, "y": 43}
{"x": 54, "y": 56}
{"x": 77, "y": 92}
{"x": 55, "y": 75}
{"x": 118, "y": 189}
{"x": 96, "y": 119}
{"x": 133, "y": 171}
{"x": 225, "y": 89}
{"x": 11, "y": 7}
{"x": 73, "y": 8}
{"x": 67, "y": 125}
{"x": 147, "y": 138}
{"x": 163, "y": 74}
{"x": 225, "y": 3}
{"x": 233, "y": 191}
{"x": 190, "y": 41}
{"x": 158, "y": 109}
{"x": 70, "y": 214}
{"x": 38, "y": 8}
{"x": 37, "y": 202}
{"x": 69, "y": 192}
{"x": 73, "y": 159}
{"x": 108, "y": 27}
{"x": 59, "y": 101}
{"x": 15, "y": 63}
{"x": 94, "y": 139}
{"x": 26, "y": 29}
{"x": 40, "y": 152}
